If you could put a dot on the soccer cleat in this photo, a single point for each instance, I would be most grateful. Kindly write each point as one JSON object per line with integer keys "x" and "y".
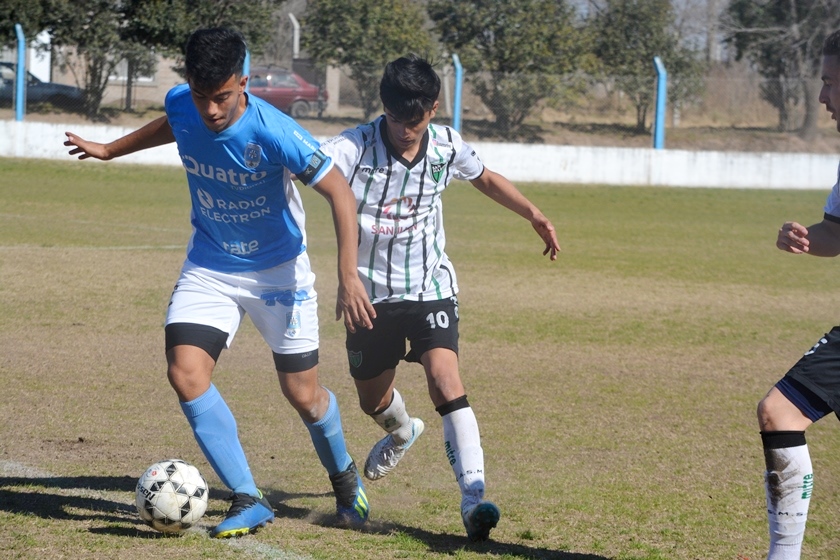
{"x": 479, "y": 519}
{"x": 246, "y": 515}
{"x": 351, "y": 503}
{"x": 385, "y": 455}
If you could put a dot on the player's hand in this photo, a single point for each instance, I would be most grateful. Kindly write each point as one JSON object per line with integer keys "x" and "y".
{"x": 353, "y": 304}
{"x": 546, "y": 231}
{"x": 84, "y": 148}
{"x": 793, "y": 238}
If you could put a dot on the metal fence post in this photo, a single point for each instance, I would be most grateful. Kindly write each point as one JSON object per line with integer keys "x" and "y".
{"x": 20, "y": 75}
{"x": 661, "y": 89}
{"x": 459, "y": 83}
{"x": 246, "y": 69}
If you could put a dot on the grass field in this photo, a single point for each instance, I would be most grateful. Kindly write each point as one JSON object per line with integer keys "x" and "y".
{"x": 615, "y": 388}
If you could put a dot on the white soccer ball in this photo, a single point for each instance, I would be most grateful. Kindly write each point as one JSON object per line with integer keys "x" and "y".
{"x": 171, "y": 496}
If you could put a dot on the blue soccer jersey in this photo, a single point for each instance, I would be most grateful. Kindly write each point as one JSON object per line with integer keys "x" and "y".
{"x": 246, "y": 211}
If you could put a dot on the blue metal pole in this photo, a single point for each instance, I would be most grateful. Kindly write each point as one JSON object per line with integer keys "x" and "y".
{"x": 20, "y": 74}
{"x": 661, "y": 95}
{"x": 459, "y": 85}
{"x": 246, "y": 69}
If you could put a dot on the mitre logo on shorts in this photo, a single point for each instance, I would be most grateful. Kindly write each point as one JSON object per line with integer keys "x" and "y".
{"x": 252, "y": 155}
{"x": 355, "y": 358}
{"x": 437, "y": 170}
{"x": 284, "y": 297}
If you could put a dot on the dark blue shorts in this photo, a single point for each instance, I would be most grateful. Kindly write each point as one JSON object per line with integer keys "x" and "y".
{"x": 424, "y": 324}
{"x": 813, "y": 383}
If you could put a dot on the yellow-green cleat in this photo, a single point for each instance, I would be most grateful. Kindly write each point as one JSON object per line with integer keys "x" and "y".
{"x": 351, "y": 501}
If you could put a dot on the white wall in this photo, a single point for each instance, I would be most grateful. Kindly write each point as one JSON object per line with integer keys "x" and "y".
{"x": 520, "y": 162}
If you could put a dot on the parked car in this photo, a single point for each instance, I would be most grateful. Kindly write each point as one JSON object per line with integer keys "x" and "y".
{"x": 287, "y": 91}
{"x": 37, "y": 91}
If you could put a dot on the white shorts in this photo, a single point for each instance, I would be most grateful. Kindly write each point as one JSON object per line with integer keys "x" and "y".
{"x": 281, "y": 302}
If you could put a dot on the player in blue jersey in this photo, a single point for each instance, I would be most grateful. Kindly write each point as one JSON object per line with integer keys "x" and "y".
{"x": 810, "y": 390}
{"x": 247, "y": 254}
{"x": 398, "y": 167}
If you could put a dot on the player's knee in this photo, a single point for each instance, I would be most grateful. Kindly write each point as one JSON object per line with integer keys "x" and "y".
{"x": 764, "y": 413}
{"x": 775, "y": 412}
{"x": 310, "y": 402}
{"x": 370, "y": 406}
{"x": 188, "y": 382}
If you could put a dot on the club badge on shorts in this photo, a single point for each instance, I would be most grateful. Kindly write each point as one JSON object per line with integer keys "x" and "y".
{"x": 355, "y": 358}
{"x": 293, "y": 323}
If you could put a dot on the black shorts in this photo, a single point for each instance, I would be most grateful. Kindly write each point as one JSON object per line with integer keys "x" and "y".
{"x": 814, "y": 380}
{"x": 425, "y": 324}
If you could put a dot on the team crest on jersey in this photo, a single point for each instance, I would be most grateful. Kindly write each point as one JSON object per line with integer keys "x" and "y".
{"x": 437, "y": 170}
{"x": 355, "y": 358}
{"x": 253, "y": 155}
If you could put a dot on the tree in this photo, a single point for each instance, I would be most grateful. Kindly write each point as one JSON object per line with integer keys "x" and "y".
{"x": 28, "y": 13}
{"x": 364, "y": 35}
{"x": 92, "y": 37}
{"x": 630, "y": 33}
{"x": 514, "y": 52}
{"x": 783, "y": 39}
{"x": 89, "y": 31}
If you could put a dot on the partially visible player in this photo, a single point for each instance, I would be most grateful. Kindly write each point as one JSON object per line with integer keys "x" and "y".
{"x": 811, "y": 389}
{"x": 398, "y": 167}
{"x": 247, "y": 254}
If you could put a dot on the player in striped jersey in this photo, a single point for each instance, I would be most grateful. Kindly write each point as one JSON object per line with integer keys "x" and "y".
{"x": 398, "y": 167}
{"x": 248, "y": 255}
{"x": 810, "y": 390}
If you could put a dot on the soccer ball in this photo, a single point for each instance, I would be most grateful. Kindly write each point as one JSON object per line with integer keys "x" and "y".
{"x": 171, "y": 496}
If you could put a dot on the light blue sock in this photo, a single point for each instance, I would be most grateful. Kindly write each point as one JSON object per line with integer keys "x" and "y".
{"x": 214, "y": 428}
{"x": 328, "y": 438}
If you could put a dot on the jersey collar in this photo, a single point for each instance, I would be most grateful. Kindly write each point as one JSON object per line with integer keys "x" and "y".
{"x": 421, "y": 153}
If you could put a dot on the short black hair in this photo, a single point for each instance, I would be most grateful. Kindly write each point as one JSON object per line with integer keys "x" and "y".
{"x": 213, "y": 55}
{"x": 409, "y": 87}
{"x": 831, "y": 47}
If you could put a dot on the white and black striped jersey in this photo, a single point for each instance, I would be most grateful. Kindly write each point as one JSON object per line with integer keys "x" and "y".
{"x": 401, "y": 237}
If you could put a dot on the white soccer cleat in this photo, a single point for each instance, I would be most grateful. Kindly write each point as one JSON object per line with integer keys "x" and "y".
{"x": 385, "y": 455}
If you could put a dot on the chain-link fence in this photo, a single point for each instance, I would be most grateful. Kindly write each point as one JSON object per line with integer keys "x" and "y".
{"x": 731, "y": 109}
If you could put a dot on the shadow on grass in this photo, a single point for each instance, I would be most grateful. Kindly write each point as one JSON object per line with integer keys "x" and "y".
{"x": 438, "y": 543}
{"x": 31, "y": 496}
{"x": 450, "y": 545}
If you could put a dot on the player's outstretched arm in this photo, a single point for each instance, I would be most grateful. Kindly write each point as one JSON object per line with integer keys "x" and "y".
{"x": 821, "y": 239}
{"x": 505, "y": 193}
{"x": 352, "y": 302}
{"x": 155, "y": 133}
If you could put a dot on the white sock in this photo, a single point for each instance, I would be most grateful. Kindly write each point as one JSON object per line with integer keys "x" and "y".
{"x": 788, "y": 482}
{"x": 395, "y": 420}
{"x": 462, "y": 443}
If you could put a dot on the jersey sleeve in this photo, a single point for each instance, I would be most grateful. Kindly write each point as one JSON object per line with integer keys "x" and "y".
{"x": 174, "y": 100}
{"x": 298, "y": 151}
{"x": 467, "y": 165}
{"x": 832, "y": 203}
{"x": 345, "y": 150}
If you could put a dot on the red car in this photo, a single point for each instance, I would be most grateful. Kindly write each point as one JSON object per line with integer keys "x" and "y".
{"x": 287, "y": 91}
